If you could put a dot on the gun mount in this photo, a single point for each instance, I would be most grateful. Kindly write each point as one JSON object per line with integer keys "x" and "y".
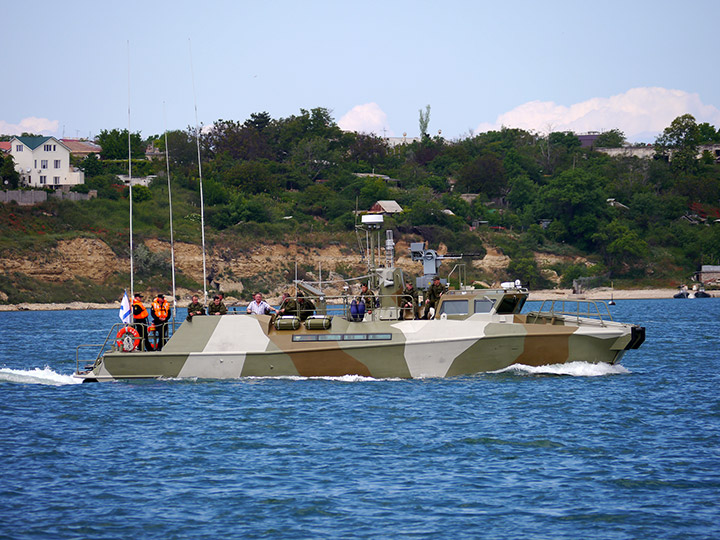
{"x": 431, "y": 260}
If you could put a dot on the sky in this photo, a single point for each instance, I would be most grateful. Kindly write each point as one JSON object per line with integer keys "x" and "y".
{"x": 74, "y": 68}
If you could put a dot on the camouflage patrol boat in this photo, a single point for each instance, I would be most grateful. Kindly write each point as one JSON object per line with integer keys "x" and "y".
{"x": 473, "y": 330}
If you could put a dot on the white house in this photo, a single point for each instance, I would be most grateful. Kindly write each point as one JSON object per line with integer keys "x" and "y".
{"x": 44, "y": 162}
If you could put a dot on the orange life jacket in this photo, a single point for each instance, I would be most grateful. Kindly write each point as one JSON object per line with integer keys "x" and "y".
{"x": 142, "y": 314}
{"x": 160, "y": 308}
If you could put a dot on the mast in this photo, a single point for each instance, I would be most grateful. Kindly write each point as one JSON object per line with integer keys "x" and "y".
{"x": 132, "y": 273}
{"x": 172, "y": 240}
{"x": 202, "y": 203}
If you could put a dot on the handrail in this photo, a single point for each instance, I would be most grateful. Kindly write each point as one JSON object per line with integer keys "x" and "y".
{"x": 109, "y": 343}
{"x": 558, "y": 308}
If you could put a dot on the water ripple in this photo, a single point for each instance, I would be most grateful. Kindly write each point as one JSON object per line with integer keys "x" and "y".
{"x": 556, "y": 452}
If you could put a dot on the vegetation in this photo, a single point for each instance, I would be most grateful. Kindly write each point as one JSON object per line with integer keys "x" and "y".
{"x": 296, "y": 178}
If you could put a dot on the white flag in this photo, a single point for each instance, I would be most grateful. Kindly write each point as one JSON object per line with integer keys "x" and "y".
{"x": 125, "y": 311}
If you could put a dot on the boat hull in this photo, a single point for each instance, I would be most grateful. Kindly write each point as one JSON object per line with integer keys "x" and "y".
{"x": 234, "y": 346}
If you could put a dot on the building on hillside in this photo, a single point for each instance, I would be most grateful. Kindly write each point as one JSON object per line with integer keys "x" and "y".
{"x": 137, "y": 180}
{"x": 5, "y": 147}
{"x": 384, "y": 177}
{"x": 153, "y": 152}
{"x": 385, "y": 207}
{"x": 708, "y": 274}
{"x": 587, "y": 140}
{"x": 81, "y": 148}
{"x": 642, "y": 152}
{"x": 392, "y": 142}
{"x": 648, "y": 151}
{"x": 44, "y": 162}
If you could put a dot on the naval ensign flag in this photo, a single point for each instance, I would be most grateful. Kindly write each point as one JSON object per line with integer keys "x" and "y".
{"x": 125, "y": 311}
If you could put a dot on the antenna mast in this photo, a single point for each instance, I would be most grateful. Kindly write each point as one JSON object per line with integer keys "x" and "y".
{"x": 132, "y": 273}
{"x": 172, "y": 240}
{"x": 202, "y": 202}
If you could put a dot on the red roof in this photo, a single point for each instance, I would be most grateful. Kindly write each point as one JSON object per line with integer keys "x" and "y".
{"x": 81, "y": 147}
{"x": 5, "y": 146}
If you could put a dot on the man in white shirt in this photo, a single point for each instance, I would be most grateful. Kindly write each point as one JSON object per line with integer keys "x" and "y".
{"x": 260, "y": 306}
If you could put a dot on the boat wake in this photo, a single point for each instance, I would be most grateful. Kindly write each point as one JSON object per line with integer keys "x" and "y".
{"x": 573, "y": 369}
{"x": 44, "y": 376}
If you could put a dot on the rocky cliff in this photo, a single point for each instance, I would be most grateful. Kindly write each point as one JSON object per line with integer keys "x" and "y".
{"x": 266, "y": 266}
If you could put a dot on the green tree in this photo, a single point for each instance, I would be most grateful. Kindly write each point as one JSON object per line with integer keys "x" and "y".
{"x": 108, "y": 186}
{"x": 707, "y": 134}
{"x": 312, "y": 155}
{"x": 523, "y": 192}
{"x": 182, "y": 146}
{"x": 679, "y": 143}
{"x": 251, "y": 177}
{"x": 367, "y": 148}
{"x": 575, "y": 198}
{"x": 141, "y": 193}
{"x": 525, "y": 268}
{"x": 424, "y": 121}
{"x": 9, "y": 177}
{"x": 556, "y": 149}
{"x": 620, "y": 246}
{"x": 259, "y": 121}
{"x": 114, "y": 144}
{"x": 485, "y": 174}
{"x": 610, "y": 139}
{"x": 91, "y": 166}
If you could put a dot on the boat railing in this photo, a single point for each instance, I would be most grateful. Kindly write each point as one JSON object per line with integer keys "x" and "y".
{"x": 573, "y": 308}
{"x": 110, "y": 343}
{"x": 342, "y": 305}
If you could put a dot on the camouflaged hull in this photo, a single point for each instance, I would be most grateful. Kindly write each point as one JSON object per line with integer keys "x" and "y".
{"x": 239, "y": 345}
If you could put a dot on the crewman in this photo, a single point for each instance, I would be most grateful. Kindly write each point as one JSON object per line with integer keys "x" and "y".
{"x": 160, "y": 314}
{"x": 305, "y": 306}
{"x": 433, "y": 294}
{"x": 140, "y": 315}
{"x": 260, "y": 306}
{"x": 217, "y": 307}
{"x": 409, "y": 302}
{"x": 195, "y": 308}
{"x": 367, "y": 296}
{"x": 289, "y": 306}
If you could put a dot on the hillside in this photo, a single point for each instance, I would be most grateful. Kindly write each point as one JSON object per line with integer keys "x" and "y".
{"x": 74, "y": 264}
{"x": 280, "y": 192}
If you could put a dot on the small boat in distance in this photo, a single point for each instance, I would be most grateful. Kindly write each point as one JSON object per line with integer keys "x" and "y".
{"x": 697, "y": 291}
{"x": 472, "y": 331}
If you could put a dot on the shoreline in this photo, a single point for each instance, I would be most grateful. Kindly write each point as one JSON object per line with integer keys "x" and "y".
{"x": 602, "y": 293}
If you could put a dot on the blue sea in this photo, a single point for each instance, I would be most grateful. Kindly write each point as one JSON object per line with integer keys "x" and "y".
{"x": 577, "y": 451}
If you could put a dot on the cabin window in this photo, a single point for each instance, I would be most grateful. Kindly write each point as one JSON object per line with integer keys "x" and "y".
{"x": 43, "y": 163}
{"x": 342, "y": 337}
{"x": 56, "y": 180}
{"x": 484, "y": 305}
{"x": 57, "y": 163}
{"x": 43, "y": 180}
{"x": 510, "y": 304}
{"x": 354, "y": 337}
{"x": 18, "y": 147}
{"x": 454, "y": 307}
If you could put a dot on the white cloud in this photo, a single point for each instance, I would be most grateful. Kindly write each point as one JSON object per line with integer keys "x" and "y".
{"x": 41, "y": 126}
{"x": 367, "y": 118}
{"x": 641, "y": 113}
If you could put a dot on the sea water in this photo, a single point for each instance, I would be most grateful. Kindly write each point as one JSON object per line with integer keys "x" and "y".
{"x": 575, "y": 451}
